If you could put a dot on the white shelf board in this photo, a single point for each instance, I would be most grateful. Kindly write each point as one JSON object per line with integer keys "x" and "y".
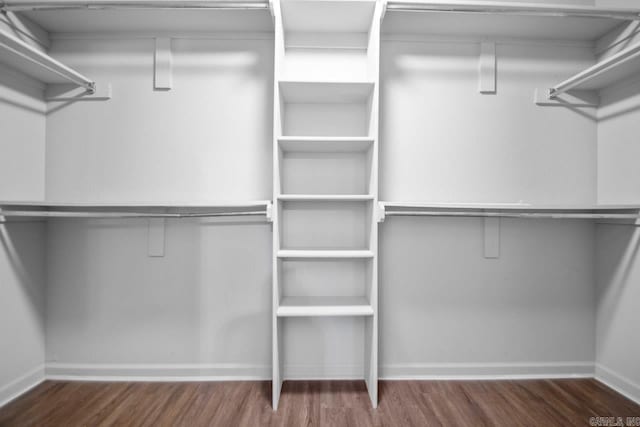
{"x": 325, "y": 92}
{"x": 323, "y": 16}
{"x": 325, "y": 144}
{"x": 325, "y": 197}
{"x": 324, "y": 306}
{"x": 495, "y": 19}
{"x": 326, "y": 254}
{"x": 140, "y": 21}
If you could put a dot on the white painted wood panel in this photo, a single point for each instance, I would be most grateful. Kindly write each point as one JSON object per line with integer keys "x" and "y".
{"x": 324, "y": 225}
{"x": 321, "y": 277}
{"x": 324, "y": 173}
{"x": 324, "y": 306}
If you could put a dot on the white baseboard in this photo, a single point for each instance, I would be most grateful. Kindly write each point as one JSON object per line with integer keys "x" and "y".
{"x": 321, "y": 372}
{"x": 250, "y": 372}
{"x": 486, "y": 371}
{"x": 246, "y": 372}
{"x": 617, "y": 382}
{"x": 193, "y": 372}
{"x": 157, "y": 372}
{"x": 21, "y": 385}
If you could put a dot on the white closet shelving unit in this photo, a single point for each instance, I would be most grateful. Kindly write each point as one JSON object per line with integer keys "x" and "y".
{"x": 325, "y": 138}
{"x": 325, "y": 164}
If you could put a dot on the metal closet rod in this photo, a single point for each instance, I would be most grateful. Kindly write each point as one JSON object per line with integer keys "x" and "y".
{"x": 551, "y": 215}
{"x": 77, "y": 214}
{"x": 629, "y": 54}
{"x": 503, "y": 8}
{"x": 18, "y": 5}
{"x": 22, "y": 49}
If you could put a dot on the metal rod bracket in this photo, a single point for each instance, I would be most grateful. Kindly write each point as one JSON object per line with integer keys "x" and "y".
{"x": 380, "y": 212}
{"x": 66, "y": 92}
{"x": 576, "y": 99}
{"x": 269, "y": 213}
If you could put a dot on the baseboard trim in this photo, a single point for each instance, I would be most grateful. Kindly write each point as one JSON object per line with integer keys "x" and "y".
{"x": 617, "y": 382}
{"x": 248, "y": 372}
{"x": 194, "y": 372}
{"x": 320, "y": 372}
{"x": 486, "y": 371}
{"x": 21, "y": 385}
{"x": 157, "y": 372}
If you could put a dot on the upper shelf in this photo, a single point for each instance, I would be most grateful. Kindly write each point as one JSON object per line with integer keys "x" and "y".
{"x": 325, "y": 144}
{"x": 153, "y": 20}
{"x": 325, "y": 92}
{"x": 452, "y": 17}
{"x": 324, "y": 16}
{"x": 503, "y": 19}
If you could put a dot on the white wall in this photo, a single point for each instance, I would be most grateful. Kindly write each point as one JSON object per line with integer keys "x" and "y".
{"x": 22, "y": 150}
{"x": 113, "y": 310}
{"x": 206, "y": 139}
{"x": 618, "y": 148}
{"x": 22, "y": 333}
{"x": 618, "y": 275}
{"x": 203, "y": 308}
{"x": 22, "y": 142}
{"x": 120, "y": 312}
{"x": 618, "y": 341}
{"x": 445, "y": 309}
{"x": 443, "y": 141}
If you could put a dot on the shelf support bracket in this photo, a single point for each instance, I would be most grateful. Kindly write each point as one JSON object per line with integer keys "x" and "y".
{"x": 380, "y": 212}
{"x": 492, "y": 238}
{"x": 66, "y": 92}
{"x": 163, "y": 79}
{"x": 487, "y": 68}
{"x": 576, "y": 99}
{"x": 269, "y": 209}
{"x": 156, "y": 237}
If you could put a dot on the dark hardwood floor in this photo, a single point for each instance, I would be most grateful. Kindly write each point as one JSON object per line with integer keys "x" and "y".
{"x": 315, "y": 403}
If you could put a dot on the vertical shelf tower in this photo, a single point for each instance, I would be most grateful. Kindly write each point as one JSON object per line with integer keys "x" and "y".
{"x": 325, "y": 185}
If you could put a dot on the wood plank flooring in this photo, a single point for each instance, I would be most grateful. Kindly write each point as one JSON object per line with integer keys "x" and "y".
{"x": 318, "y": 403}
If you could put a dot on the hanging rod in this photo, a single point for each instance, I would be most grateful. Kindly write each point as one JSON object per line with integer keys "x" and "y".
{"x": 22, "y": 49}
{"x": 76, "y": 214}
{"x": 593, "y": 72}
{"x": 19, "y": 5}
{"x": 504, "y": 8}
{"x": 551, "y": 215}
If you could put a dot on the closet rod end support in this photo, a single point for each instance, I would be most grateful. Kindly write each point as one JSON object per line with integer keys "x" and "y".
{"x": 269, "y": 209}
{"x": 380, "y": 212}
